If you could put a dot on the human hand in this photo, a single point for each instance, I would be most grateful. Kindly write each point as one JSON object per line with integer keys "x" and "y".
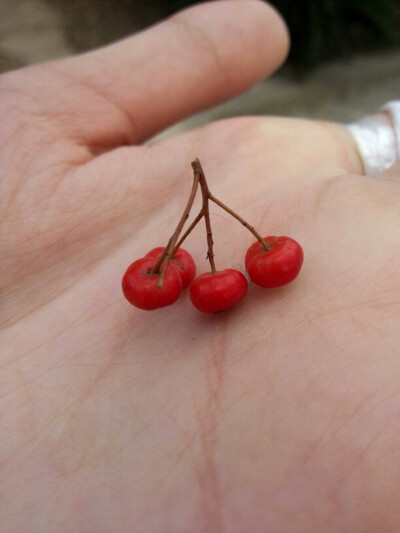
{"x": 279, "y": 415}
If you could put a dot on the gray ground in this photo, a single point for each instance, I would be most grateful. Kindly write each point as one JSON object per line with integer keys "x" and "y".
{"x": 37, "y": 30}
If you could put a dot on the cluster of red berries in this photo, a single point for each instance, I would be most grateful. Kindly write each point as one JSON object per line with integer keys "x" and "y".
{"x": 158, "y": 279}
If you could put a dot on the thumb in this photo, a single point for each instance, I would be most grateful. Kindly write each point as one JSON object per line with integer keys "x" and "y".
{"x": 128, "y": 91}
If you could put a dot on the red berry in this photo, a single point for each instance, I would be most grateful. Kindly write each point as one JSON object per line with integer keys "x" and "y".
{"x": 278, "y": 265}
{"x": 215, "y": 292}
{"x": 183, "y": 260}
{"x": 139, "y": 285}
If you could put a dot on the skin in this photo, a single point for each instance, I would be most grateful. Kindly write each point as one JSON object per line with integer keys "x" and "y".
{"x": 278, "y": 416}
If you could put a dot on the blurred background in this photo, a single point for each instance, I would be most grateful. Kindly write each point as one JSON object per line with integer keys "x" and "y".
{"x": 344, "y": 61}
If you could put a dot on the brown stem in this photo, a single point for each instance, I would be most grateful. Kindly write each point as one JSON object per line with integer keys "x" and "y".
{"x": 172, "y": 246}
{"x": 167, "y": 253}
{"x": 206, "y": 212}
{"x": 188, "y": 231}
{"x": 240, "y": 219}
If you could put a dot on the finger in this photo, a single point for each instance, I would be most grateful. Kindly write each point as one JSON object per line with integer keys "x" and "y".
{"x": 130, "y": 90}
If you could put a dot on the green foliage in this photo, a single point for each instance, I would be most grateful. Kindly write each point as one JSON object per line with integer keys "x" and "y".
{"x": 327, "y": 29}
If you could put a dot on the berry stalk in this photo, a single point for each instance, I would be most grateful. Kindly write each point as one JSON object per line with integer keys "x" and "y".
{"x": 240, "y": 219}
{"x": 188, "y": 231}
{"x": 168, "y": 253}
{"x": 198, "y": 171}
{"x": 173, "y": 243}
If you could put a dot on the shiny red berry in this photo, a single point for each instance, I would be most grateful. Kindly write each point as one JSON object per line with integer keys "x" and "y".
{"x": 139, "y": 285}
{"x": 277, "y": 266}
{"x": 183, "y": 260}
{"x": 216, "y": 292}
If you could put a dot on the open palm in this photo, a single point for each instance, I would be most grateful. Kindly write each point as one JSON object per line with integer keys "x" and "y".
{"x": 279, "y": 415}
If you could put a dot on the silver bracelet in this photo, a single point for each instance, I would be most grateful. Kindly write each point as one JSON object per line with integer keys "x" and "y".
{"x": 377, "y": 139}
